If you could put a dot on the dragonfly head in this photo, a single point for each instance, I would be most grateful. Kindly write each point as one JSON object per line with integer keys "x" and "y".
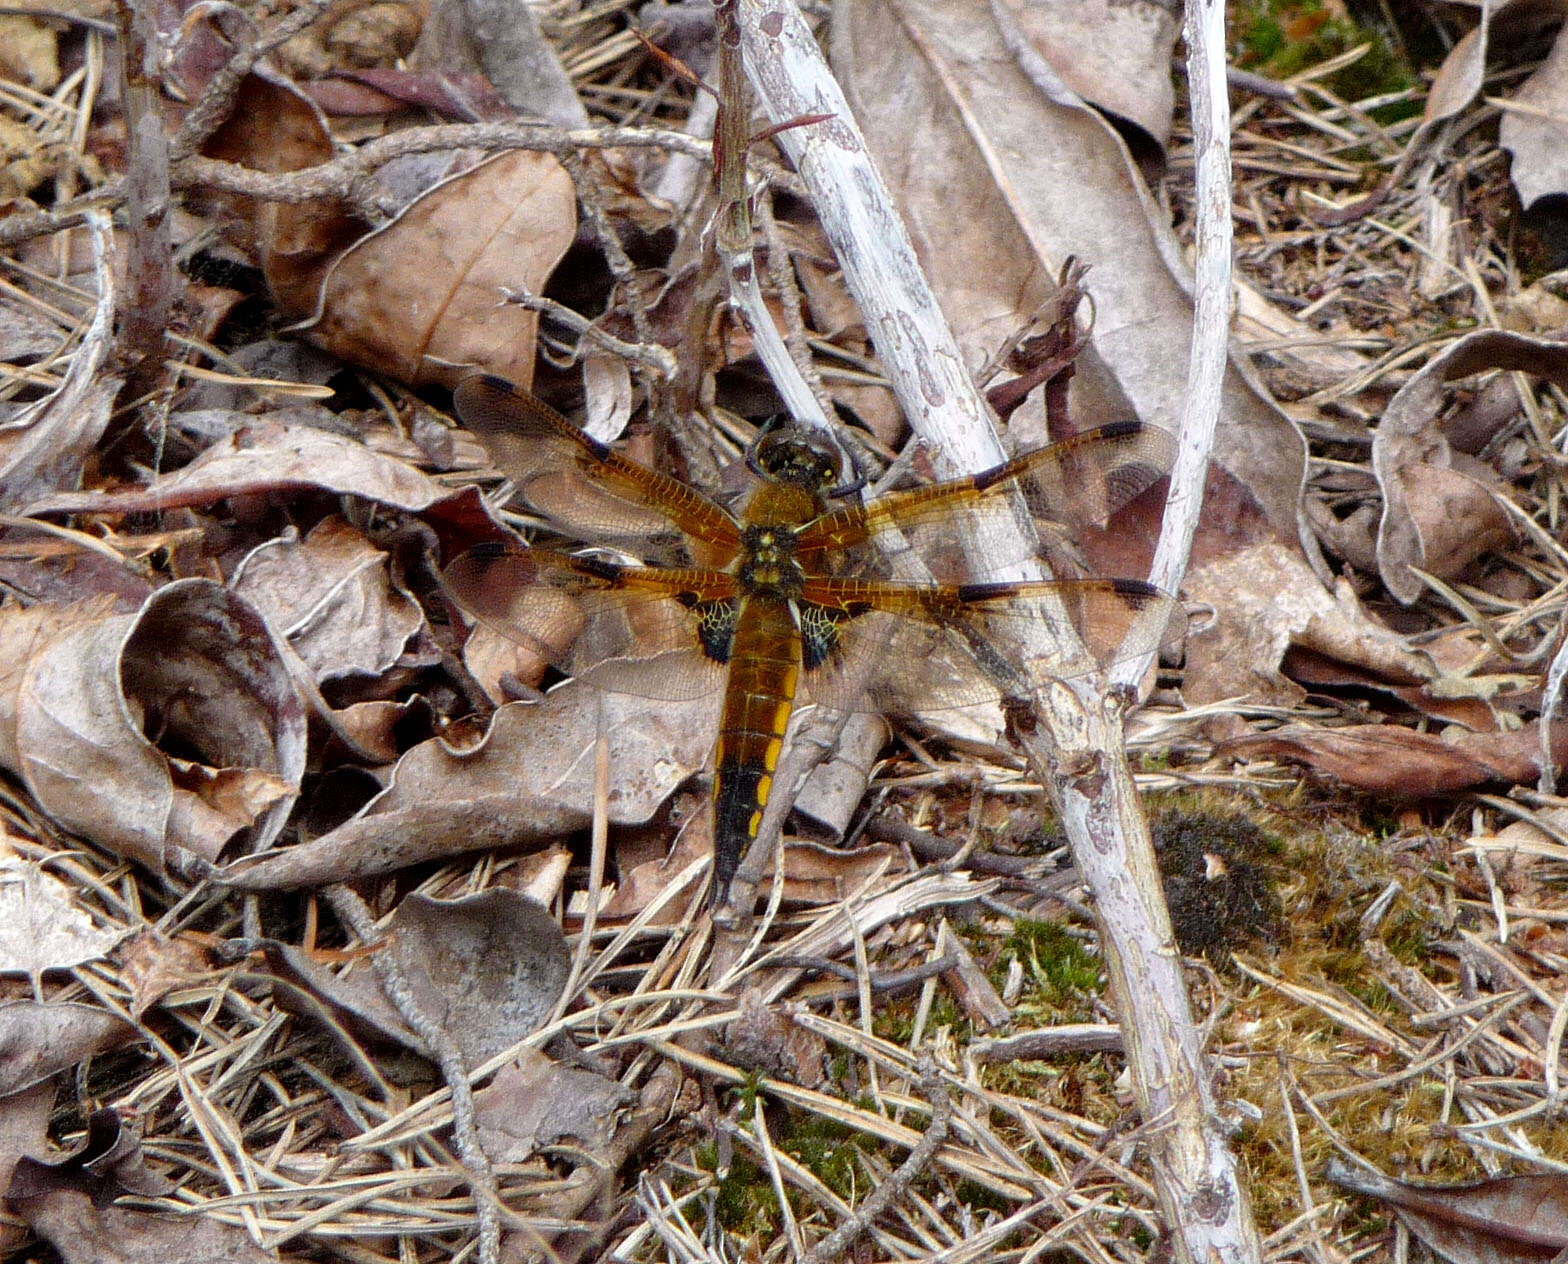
{"x": 790, "y": 454}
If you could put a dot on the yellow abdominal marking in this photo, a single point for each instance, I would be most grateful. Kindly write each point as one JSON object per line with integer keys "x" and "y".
{"x": 781, "y": 721}
{"x": 755, "y": 824}
{"x": 764, "y": 788}
{"x": 770, "y": 757}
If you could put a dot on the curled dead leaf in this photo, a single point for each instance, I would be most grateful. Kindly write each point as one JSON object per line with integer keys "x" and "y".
{"x": 1267, "y": 600}
{"x": 267, "y": 456}
{"x": 330, "y": 595}
{"x": 544, "y": 751}
{"x": 1440, "y": 509}
{"x": 103, "y": 704}
{"x": 1404, "y": 764}
{"x": 108, "y": 1162}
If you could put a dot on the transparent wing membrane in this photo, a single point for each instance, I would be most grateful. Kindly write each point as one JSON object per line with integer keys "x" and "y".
{"x": 589, "y": 491}
{"x": 869, "y": 643}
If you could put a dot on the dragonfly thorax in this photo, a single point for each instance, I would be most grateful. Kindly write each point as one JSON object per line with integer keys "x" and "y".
{"x": 768, "y": 564}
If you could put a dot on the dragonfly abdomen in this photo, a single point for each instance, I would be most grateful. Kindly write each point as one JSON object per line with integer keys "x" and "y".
{"x": 759, "y": 695}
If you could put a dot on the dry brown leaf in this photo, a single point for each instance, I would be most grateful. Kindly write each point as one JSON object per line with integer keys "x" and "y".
{"x": 500, "y": 664}
{"x": 153, "y": 965}
{"x": 1266, "y": 600}
{"x": 1509, "y": 1220}
{"x": 640, "y": 884}
{"x": 534, "y": 1102}
{"x": 106, "y": 1163}
{"x": 1534, "y": 127}
{"x": 421, "y": 298}
{"x": 196, "y": 667}
{"x": 49, "y": 454}
{"x": 1460, "y": 77}
{"x": 488, "y": 968}
{"x": 38, "y": 1040}
{"x": 763, "y": 1037}
{"x": 351, "y": 1006}
{"x": 24, "y": 632}
{"x": 436, "y": 829}
{"x": 24, "y": 1130}
{"x": 816, "y": 875}
{"x": 58, "y": 572}
{"x": 545, "y": 751}
{"x": 1114, "y": 54}
{"x": 1319, "y": 673}
{"x": 266, "y": 455}
{"x": 1004, "y": 186}
{"x": 330, "y": 595}
{"x": 1439, "y": 507}
{"x": 383, "y": 90}
{"x": 1404, "y": 764}
{"x": 274, "y": 127}
{"x": 26, "y": 159}
{"x": 42, "y": 927}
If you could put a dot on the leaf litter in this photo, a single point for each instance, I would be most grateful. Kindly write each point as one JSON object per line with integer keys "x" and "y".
{"x": 221, "y": 609}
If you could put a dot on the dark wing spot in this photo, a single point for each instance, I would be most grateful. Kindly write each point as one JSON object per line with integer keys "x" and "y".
{"x": 715, "y": 628}
{"x": 819, "y": 633}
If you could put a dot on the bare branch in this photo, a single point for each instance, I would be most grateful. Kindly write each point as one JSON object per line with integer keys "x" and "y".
{"x": 218, "y": 100}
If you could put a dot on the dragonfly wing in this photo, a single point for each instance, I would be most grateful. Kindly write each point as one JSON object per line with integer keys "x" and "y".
{"x": 597, "y": 620}
{"x": 586, "y": 489}
{"x": 1074, "y": 484}
{"x": 905, "y": 647}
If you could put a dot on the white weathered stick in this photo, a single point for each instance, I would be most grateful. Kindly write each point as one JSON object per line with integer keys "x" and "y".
{"x": 1210, "y": 109}
{"x": 1080, "y": 739}
{"x": 732, "y": 230}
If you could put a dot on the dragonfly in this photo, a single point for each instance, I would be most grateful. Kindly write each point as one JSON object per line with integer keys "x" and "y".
{"x": 789, "y": 597}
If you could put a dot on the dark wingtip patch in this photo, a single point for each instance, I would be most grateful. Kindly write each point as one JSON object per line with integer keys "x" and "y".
{"x": 598, "y": 568}
{"x": 986, "y": 478}
{"x": 1138, "y": 588}
{"x": 984, "y": 592}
